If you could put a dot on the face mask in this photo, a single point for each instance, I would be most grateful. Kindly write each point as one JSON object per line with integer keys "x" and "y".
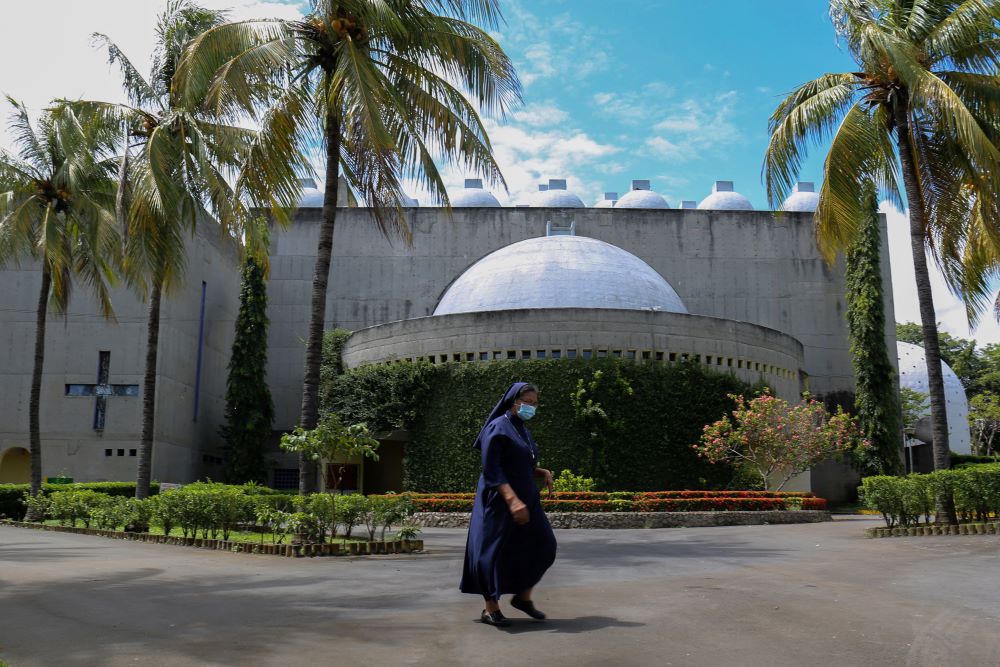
{"x": 526, "y": 411}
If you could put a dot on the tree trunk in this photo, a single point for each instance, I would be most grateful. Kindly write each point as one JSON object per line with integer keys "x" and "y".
{"x": 309, "y": 417}
{"x": 928, "y": 319}
{"x": 34, "y": 404}
{"x": 149, "y": 393}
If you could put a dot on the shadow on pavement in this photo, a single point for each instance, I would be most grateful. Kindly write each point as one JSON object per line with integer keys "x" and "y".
{"x": 568, "y": 626}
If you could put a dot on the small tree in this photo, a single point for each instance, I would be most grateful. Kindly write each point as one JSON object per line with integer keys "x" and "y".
{"x": 330, "y": 441}
{"x": 984, "y": 417}
{"x": 249, "y": 408}
{"x": 777, "y": 440}
{"x": 913, "y": 406}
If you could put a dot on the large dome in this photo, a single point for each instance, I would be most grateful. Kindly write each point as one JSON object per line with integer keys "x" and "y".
{"x": 555, "y": 195}
{"x": 640, "y": 196}
{"x": 724, "y": 198}
{"x": 803, "y": 199}
{"x": 559, "y": 272}
{"x": 913, "y": 374}
{"x": 473, "y": 196}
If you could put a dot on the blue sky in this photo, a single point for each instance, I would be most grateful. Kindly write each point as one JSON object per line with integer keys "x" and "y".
{"x": 674, "y": 91}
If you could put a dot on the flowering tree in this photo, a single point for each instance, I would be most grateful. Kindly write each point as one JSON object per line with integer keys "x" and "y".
{"x": 777, "y": 440}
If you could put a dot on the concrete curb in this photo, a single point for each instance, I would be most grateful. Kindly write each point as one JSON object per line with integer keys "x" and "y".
{"x": 642, "y": 519}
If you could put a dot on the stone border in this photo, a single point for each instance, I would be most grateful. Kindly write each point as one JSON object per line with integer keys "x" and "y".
{"x": 642, "y": 519}
{"x": 287, "y": 550}
{"x": 989, "y": 528}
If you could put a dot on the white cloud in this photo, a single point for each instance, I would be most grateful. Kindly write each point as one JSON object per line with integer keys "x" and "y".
{"x": 949, "y": 309}
{"x": 635, "y": 107}
{"x": 696, "y": 126}
{"x": 557, "y": 48}
{"x": 540, "y": 115}
{"x": 64, "y": 64}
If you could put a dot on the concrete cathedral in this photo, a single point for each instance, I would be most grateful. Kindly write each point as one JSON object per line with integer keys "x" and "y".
{"x": 742, "y": 291}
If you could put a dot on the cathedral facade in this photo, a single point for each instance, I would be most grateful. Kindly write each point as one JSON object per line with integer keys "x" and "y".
{"x": 741, "y": 290}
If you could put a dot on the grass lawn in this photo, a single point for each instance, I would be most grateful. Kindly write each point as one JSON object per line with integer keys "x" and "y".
{"x": 254, "y": 538}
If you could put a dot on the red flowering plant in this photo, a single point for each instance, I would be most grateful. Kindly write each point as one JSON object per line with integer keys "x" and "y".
{"x": 779, "y": 440}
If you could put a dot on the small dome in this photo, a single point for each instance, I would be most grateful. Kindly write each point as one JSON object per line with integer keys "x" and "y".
{"x": 554, "y": 195}
{"x": 913, "y": 374}
{"x": 473, "y": 196}
{"x": 642, "y": 197}
{"x": 609, "y": 200}
{"x": 724, "y": 198}
{"x": 312, "y": 196}
{"x": 802, "y": 200}
{"x": 559, "y": 272}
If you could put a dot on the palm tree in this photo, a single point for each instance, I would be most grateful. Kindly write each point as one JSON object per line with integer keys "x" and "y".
{"x": 924, "y": 108}
{"x": 180, "y": 165}
{"x": 382, "y": 85}
{"x": 56, "y": 201}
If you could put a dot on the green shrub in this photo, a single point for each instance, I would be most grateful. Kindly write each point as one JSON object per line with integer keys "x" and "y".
{"x": 351, "y": 510}
{"x": 443, "y": 407}
{"x": 567, "y": 481}
{"x": 974, "y": 489}
{"x": 12, "y": 495}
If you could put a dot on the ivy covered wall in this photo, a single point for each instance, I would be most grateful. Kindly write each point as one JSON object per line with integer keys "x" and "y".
{"x": 634, "y": 434}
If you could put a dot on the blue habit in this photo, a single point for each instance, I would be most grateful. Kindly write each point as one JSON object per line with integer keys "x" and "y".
{"x": 502, "y": 557}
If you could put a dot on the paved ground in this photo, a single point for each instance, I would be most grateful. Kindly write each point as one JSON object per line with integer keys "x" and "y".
{"x": 813, "y": 594}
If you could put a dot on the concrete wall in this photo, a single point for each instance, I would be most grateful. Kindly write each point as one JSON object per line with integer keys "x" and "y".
{"x": 751, "y": 352}
{"x": 70, "y": 445}
{"x": 748, "y": 266}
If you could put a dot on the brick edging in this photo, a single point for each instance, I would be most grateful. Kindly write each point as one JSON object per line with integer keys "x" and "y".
{"x": 988, "y": 528}
{"x": 287, "y": 550}
{"x": 642, "y": 519}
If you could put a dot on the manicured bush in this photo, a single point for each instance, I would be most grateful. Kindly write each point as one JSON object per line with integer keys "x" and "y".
{"x": 567, "y": 481}
{"x": 443, "y": 407}
{"x": 12, "y": 495}
{"x": 638, "y": 502}
{"x": 210, "y": 511}
{"x": 902, "y": 501}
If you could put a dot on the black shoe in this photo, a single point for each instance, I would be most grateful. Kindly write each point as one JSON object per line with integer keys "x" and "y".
{"x": 528, "y": 607}
{"x": 496, "y": 619}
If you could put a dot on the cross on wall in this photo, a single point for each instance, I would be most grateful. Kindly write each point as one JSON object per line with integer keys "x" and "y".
{"x": 102, "y": 389}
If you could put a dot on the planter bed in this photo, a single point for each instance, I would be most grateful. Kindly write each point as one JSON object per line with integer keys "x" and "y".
{"x": 288, "y": 550}
{"x": 642, "y": 519}
{"x": 987, "y": 528}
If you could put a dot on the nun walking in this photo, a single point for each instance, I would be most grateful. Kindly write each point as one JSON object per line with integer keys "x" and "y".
{"x": 510, "y": 543}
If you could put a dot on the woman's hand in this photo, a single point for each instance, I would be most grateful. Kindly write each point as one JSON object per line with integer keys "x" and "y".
{"x": 519, "y": 511}
{"x": 546, "y": 476}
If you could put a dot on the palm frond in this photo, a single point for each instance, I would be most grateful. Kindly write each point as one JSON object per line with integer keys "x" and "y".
{"x": 808, "y": 116}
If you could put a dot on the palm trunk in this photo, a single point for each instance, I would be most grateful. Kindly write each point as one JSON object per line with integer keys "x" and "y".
{"x": 149, "y": 394}
{"x": 309, "y": 417}
{"x": 34, "y": 404}
{"x": 928, "y": 319}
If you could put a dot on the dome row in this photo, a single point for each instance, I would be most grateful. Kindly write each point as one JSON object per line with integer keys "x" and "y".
{"x": 555, "y": 195}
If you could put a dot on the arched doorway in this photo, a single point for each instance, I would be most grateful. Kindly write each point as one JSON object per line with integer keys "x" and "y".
{"x": 15, "y": 466}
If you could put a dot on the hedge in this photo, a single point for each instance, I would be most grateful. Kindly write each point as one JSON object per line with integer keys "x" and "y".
{"x": 640, "y": 504}
{"x": 903, "y": 501}
{"x": 12, "y": 495}
{"x": 631, "y": 495}
{"x": 646, "y": 447}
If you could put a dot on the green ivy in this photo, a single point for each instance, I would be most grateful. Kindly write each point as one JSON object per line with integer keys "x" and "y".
{"x": 875, "y": 402}
{"x": 443, "y": 408}
{"x": 249, "y": 408}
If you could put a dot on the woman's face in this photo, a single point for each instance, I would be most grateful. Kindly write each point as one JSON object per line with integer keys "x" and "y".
{"x": 531, "y": 398}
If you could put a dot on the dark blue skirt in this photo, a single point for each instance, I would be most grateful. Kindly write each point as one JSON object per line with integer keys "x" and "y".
{"x": 501, "y": 557}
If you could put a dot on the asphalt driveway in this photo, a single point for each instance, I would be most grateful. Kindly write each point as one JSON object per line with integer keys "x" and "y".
{"x": 810, "y": 594}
